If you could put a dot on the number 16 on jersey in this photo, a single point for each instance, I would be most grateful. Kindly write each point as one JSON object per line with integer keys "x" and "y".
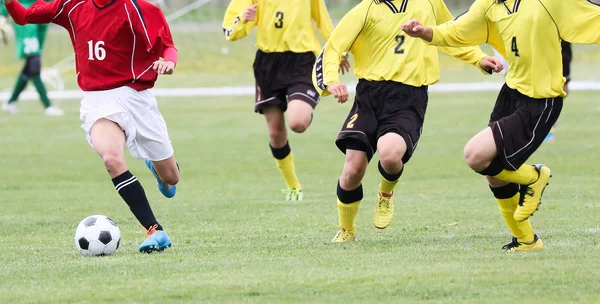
{"x": 96, "y": 50}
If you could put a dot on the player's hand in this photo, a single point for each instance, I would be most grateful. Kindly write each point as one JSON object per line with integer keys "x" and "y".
{"x": 415, "y": 29}
{"x": 491, "y": 63}
{"x": 344, "y": 66}
{"x": 164, "y": 67}
{"x": 250, "y": 13}
{"x": 566, "y": 88}
{"x": 339, "y": 91}
{"x": 5, "y": 30}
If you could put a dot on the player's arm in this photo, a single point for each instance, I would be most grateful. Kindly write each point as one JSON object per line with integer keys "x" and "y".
{"x": 469, "y": 54}
{"x": 567, "y": 57}
{"x": 240, "y": 18}
{"x": 5, "y": 28}
{"x": 467, "y": 30}
{"x": 319, "y": 13}
{"x": 325, "y": 73}
{"x": 578, "y": 21}
{"x": 38, "y": 13}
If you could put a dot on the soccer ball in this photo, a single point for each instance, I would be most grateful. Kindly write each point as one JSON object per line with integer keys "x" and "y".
{"x": 97, "y": 235}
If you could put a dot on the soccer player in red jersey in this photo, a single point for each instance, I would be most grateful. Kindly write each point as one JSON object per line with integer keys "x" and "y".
{"x": 118, "y": 45}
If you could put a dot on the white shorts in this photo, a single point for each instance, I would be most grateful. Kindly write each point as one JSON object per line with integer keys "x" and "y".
{"x": 136, "y": 113}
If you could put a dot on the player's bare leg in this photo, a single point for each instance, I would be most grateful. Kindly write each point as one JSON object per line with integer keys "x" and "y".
{"x": 109, "y": 142}
{"x": 299, "y": 115}
{"x": 481, "y": 154}
{"x": 350, "y": 194}
{"x": 392, "y": 148}
{"x": 166, "y": 173}
{"x": 282, "y": 152}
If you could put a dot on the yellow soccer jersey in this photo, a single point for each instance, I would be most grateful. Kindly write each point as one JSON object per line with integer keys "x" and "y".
{"x": 528, "y": 33}
{"x": 282, "y": 25}
{"x": 371, "y": 31}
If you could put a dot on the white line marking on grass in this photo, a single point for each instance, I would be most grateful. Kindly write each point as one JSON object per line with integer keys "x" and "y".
{"x": 250, "y": 90}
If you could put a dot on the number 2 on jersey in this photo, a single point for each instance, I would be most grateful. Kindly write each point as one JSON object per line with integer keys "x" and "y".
{"x": 96, "y": 52}
{"x": 279, "y": 23}
{"x": 400, "y": 39}
{"x": 350, "y": 124}
{"x": 514, "y": 48}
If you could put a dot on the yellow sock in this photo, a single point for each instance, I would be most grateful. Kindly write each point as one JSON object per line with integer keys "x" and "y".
{"x": 525, "y": 175}
{"x": 286, "y": 167}
{"x": 347, "y": 214}
{"x": 387, "y": 187}
{"x": 521, "y": 230}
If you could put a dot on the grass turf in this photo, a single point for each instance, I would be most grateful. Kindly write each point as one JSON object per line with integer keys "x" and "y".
{"x": 236, "y": 240}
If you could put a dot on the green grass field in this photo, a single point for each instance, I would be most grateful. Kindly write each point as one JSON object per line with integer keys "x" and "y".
{"x": 236, "y": 240}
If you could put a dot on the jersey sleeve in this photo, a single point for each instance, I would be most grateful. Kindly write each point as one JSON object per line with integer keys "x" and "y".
{"x": 39, "y": 13}
{"x": 152, "y": 25}
{"x": 469, "y": 54}
{"x": 326, "y": 68}
{"x": 578, "y": 21}
{"x": 234, "y": 27}
{"x": 319, "y": 13}
{"x": 468, "y": 29}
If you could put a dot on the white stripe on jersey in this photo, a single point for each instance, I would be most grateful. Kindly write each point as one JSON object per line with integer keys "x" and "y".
{"x": 71, "y": 22}
{"x": 141, "y": 21}
{"x": 61, "y": 9}
{"x": 133, "y": 32}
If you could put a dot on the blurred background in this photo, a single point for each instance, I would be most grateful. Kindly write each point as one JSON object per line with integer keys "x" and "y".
{"x": 208, "y": 60}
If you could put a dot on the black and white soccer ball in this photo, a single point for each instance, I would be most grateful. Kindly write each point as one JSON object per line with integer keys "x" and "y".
{"x": 97, "y": 235}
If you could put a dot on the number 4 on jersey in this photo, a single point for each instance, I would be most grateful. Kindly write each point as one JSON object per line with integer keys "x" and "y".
{"x": 96, "y": 51}
{"x": 513, "y": 47}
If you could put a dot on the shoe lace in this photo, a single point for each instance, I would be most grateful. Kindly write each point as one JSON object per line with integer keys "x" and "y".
{"x": 152, "y": 229}
{"x": 513, "y": 244}
{"x": 526, "y": 191}
{"x": 343, "y": 235}
{"x": 384, "y": 205}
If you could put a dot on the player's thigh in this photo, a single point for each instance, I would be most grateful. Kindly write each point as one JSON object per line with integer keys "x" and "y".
{"x": 167, "y": 170}
{"x": 107, "y": 139}
{"x": 299, "y": 115}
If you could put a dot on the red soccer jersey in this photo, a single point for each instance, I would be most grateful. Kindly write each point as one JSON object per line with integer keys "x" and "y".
{"x": 115, "y": 44}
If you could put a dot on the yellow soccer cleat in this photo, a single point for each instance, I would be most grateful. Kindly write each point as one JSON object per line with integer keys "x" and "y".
{"x": 293, "y": 194}
{"x": 384, "y": 211}
{"x": 516, "y": 246}
{"x": 344, "y": 236}
{"x": 532, "y": 194}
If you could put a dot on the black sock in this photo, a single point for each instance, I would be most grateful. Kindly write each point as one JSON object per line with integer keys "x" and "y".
{"x": 387, "y": 176}
{"x": 281, "y": 153}
{"x": 494, "y": 168}
{"x": 349, "y": 196}
{"x": 133, "y": 194}
{"x": 506, "y": 192}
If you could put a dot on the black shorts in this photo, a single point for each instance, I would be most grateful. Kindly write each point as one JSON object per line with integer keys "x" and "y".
{"x": 382, "y": 107}
{"x": 520, "y": 124}
{"x": 283, "y": 76}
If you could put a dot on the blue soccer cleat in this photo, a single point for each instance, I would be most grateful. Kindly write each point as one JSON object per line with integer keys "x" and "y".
{"x": 158, "y": 240}
{"x": 164, "y": 188}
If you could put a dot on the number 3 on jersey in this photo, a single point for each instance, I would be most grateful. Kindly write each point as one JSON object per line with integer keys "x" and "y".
{"x": 279, "y": 23}
{"x": 96, "y": 51}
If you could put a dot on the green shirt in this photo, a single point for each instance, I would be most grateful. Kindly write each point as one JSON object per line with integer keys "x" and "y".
{"x": 29, "y": 38}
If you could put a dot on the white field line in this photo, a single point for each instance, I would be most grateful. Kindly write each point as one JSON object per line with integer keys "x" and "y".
{"x": 249, "y": 91}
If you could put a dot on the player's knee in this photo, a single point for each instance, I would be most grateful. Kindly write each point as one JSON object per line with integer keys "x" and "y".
{"x": 114, "y": 162}
{"x": 352, "y": 176}
{"x": 171, "y": 178}
{"x": 475, "y": 158}
{"x": 299, "y": 126}
{"x": 391, "y": 163}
